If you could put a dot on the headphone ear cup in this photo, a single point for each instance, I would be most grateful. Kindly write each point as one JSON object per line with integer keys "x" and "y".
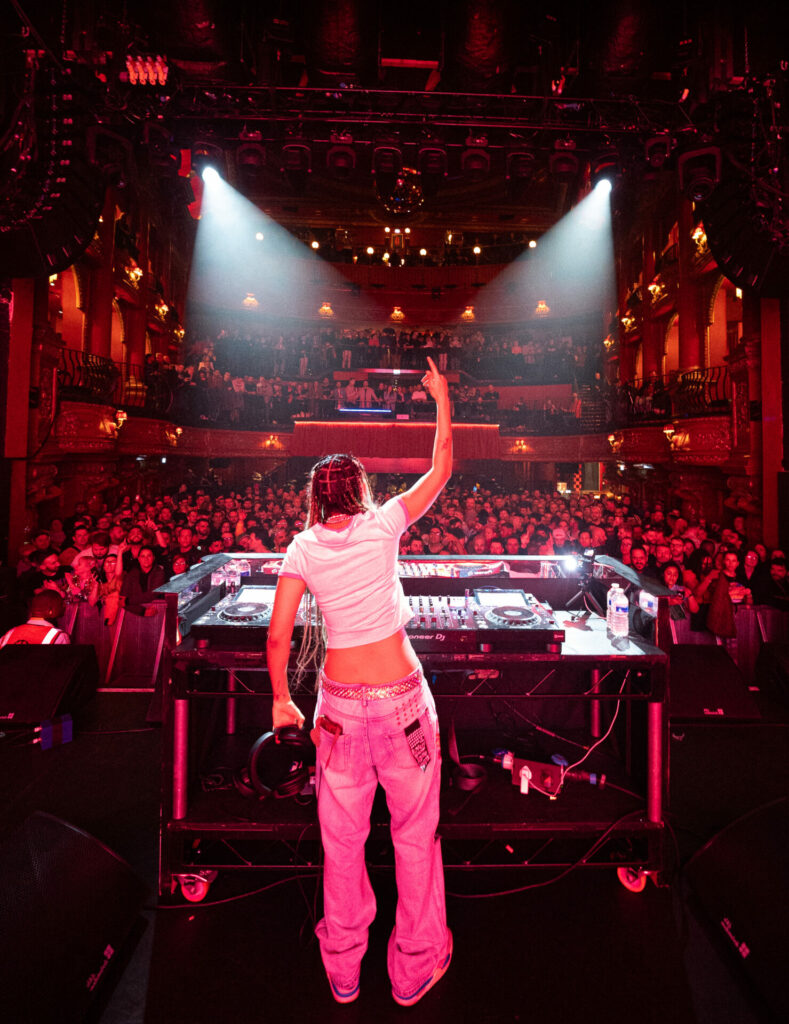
{"x": 243, "y": 783}
{"x": 279, "y": 762}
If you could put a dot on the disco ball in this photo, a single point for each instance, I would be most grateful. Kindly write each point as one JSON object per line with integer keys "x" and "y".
{"x": 402, "y": 197}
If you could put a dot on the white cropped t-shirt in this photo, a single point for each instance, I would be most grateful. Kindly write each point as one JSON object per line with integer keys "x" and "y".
{"x": 352, "y": 574}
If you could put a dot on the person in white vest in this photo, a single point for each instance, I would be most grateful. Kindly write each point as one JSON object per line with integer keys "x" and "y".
{"x": 45, "y": 608}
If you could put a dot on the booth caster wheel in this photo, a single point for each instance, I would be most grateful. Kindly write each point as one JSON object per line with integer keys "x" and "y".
{"x": 194, "y": 888}
{"x": 633, "y": 879}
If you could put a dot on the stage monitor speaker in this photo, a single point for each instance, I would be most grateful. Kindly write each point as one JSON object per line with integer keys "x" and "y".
{"x": 67, "y": 905}
{"x": 38, "y": 682}
{"x": 772, "y": 672}
{"x": 706, "y": 684}
{"x": 739, "y": 879}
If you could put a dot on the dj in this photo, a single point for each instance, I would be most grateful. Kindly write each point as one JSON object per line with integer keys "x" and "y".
{"x": 375, "y": 719}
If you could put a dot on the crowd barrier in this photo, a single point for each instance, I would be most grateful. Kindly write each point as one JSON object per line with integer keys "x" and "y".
{"x": 129, "y": 651}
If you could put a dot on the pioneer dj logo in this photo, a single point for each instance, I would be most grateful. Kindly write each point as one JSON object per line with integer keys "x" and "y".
{"x": 441, "y": 637}
{"x": 93, "y": 979}
{"x": 741, "y": 947}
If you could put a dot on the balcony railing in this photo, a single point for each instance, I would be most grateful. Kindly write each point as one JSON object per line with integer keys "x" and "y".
{"x": 704, "y": 392}
{"x": 85, "y": 377}
{"x": 151, "y": 391}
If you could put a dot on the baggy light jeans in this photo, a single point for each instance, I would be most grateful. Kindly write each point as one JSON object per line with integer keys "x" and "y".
{"x": 374, "y": 748}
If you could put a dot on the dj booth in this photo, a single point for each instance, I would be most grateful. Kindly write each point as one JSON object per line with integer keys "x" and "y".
{"x": 553, "y": 731}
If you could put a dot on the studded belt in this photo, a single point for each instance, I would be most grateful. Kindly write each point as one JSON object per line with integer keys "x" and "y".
{"x": 361, "y": 691}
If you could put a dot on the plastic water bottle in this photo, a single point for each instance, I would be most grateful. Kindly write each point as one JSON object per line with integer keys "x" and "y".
{"x": 620, "y": 621}
{"x": 609, "y": 602}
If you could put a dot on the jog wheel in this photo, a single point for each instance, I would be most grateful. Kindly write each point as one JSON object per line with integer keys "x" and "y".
{"x": 504, "y": 616}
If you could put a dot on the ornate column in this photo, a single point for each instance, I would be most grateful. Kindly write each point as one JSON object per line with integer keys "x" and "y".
{"x": 691, "y": 341}
{"x": 651, "y": 341}
{"x": 99, "y": 333}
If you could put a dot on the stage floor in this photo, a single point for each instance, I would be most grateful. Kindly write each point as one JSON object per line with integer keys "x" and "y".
{"x": 581, "y": 949}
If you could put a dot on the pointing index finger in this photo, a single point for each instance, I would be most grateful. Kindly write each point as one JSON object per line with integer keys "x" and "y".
{"x": 432, "y": 365}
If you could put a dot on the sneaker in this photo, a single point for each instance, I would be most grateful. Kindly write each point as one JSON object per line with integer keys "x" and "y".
{"x": 343, "y": 993}
{"x": 437, "y": 975}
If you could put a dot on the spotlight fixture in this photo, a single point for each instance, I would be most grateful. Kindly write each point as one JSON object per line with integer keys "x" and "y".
{"x": 387, "y": 159}
{"x": 699, "y": 172}
{"x": 520, "y": 164}
{"x": 250, "y": 164}
{"x": 605, "y": 166}
{"x": 341, "y": 162}
{"x": 657, "y": 151}
{"x": 475, "y": 163}
{"x": 432, "y": 161}
{"x": 563, "y": 163}
{"x": 207, "y": 156}
{"x": 315, "y": 244}
{"x": 296, "y": 158}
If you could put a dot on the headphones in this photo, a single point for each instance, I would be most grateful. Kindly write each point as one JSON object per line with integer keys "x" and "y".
{"x": 278, "y": 764}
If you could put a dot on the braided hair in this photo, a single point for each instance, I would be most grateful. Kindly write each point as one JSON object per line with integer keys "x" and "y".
{"x": 338, "y": 485}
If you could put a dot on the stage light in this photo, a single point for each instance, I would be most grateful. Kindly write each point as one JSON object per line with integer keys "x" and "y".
{"x": 605, "y": 166}
{"x": 476, "y": 250}
{"x": 604, "y": 185}
{"x": 532, "y": 243}
{"x": 315, "y": 244}
{"x": 210, "y": 174}
{"x": 259, "y": 236}
{"x": 423, "y": 252}
{"x": 699, "y": 172}
{"x": 475, "y": 164}
{"x": 370, "y": 250}
{"x": 387, "y": 159}
{"x": 207, "y": 155}
{"x": 657, "y": 150}
{"x": 563, "y": 162}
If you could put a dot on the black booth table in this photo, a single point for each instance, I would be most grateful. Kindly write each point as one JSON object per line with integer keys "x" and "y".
{"x": 510, "y": 714}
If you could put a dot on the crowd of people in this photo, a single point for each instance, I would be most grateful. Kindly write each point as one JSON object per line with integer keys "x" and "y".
{"x": 119, "y": 555}
{"x": 244, "y": 381}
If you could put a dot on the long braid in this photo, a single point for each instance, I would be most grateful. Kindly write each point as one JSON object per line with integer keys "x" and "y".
{"x": 338, "y": 485}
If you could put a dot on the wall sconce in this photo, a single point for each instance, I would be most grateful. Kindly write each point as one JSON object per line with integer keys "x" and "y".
{"x": 608, "y": 342}
{"x": 669, "y": 431}
{"x": 325, "y": 309}
{"x": 521, "y": 447}
{"x": 179, "y": 333}
{"x": 699, "y": 236}
{"x": 628, "y": 322}
{"x": 172, "y": 434}
{"x": 132, "y": 272}
{"x": 250, "y": 302}
{"x": 542, "y": 308}
{"x": 179, "y": 431}
{"x": 657, "y": 291}
{"x": 397, "y": 314}
{"x": 616, "y": 440}
{"x": 468, "y": 313}
{"x": 272, "y": 442}
{"x": 120, "y": 417}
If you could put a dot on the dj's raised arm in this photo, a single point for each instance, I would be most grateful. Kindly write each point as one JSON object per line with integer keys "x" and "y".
{"x": 421, "y": 496}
